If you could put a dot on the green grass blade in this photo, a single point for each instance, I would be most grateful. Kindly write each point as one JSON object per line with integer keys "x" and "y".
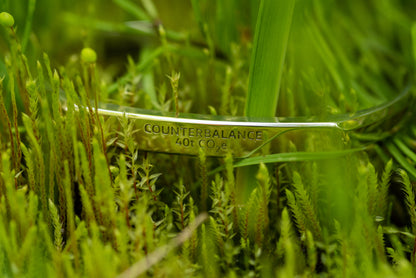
{"x": 133, "y": 9}
{"x": 294, "y": 157}
{"x": 406, "y": 150}
{"x": 226, "y": 22}
{"x": 196, "y": 7}
{"x": 28, "y": 25}
{"x": 401, "y": 159}
{"x": 270, "y": 42}
{"x": 291, "y": 157}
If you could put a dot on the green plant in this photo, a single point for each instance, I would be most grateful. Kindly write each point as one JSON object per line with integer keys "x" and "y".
{"x": 79, "y": 199}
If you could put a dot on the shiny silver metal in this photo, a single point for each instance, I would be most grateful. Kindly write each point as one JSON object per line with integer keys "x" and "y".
{"x": 243, "y": 137}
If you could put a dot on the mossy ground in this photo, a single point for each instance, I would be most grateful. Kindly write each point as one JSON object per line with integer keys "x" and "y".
{"x": 78, "y": 199}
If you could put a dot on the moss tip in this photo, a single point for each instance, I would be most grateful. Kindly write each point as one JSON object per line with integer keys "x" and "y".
{"x": 88, "y": 55}
{"x": 6, "y": 19}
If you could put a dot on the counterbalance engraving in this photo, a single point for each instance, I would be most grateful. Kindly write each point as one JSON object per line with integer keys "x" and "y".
{"x": 217, "y": 139}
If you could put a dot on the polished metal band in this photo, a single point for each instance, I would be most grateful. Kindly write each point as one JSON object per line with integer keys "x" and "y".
{"x": 242, "y": 137}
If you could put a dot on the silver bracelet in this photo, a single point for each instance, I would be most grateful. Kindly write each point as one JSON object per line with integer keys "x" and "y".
{"x": 243, "y": 136}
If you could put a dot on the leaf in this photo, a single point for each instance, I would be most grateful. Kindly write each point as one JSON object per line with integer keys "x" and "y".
{"x": 401, "y": 159}
{"x": 133, "y": 9}
{"x": 295, "y": 156}
{"x": 267, "y": 59}
{"x": 266, "y": 67}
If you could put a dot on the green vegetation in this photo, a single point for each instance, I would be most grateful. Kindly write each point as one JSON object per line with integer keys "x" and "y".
{"x": 7, "y": 19}
{"x": 78, "y": 199}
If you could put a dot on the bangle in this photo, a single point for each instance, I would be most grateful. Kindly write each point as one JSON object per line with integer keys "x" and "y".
{"x": 243, "y": 136}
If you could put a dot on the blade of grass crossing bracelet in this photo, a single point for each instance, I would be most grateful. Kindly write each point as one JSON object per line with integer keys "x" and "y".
{"x": 272, "y": 32}
{"x": 268, "y": 55}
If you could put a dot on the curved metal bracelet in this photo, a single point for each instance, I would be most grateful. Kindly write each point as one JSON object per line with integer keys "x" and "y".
{"x": 242, "y": 136}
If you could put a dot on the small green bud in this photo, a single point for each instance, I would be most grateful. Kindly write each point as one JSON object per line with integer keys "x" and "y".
{"x": 56, "y": 80}
{"x": 114, "y": 170}
{"x": 88, "y": 55}
{"x": 31, "y": 85}
{"x": 6, "y": 19}
{"x": 263, "y": 174}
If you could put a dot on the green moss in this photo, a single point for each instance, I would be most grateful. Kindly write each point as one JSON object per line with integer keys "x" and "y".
{"x": 78, "y": 198}
{"x": 6, "y": 19}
